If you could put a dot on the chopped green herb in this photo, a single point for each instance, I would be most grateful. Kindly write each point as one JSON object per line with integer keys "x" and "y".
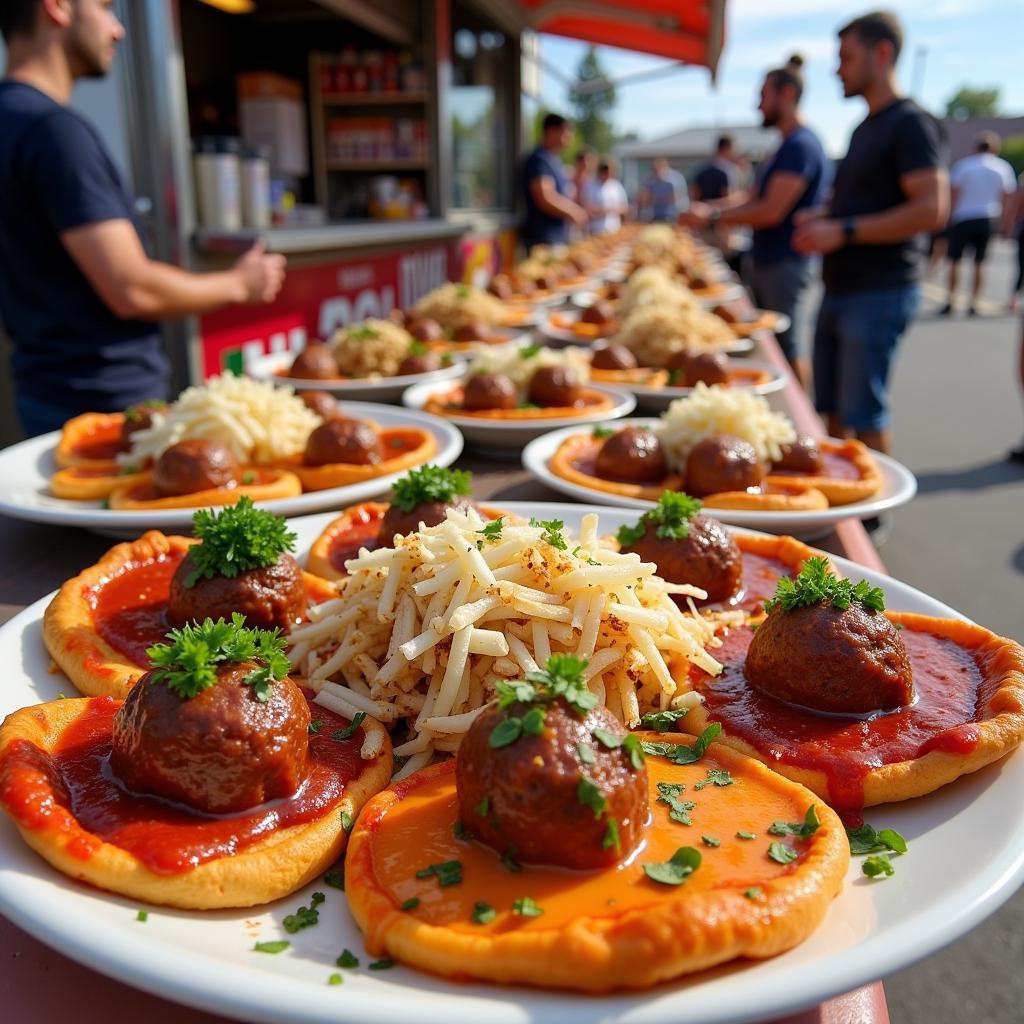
{"x": 680, "y": 753}
{"x": 235, "y": 539}
{"x": 816, "y": 584}
{"x": 492, "y": 531}
{"x": 602, "y": 433}
{"x": 62, "y": 696}
{"x": 483, "y": 913}
{"x": 507, "y": 731}
{"x": 662, "y": 721}
{"x": 429, "y": 484}
{"x": 410, "y": 904}
{"x": 336, "y": 878}
{"x": 526, "y": 907}
{"x": 417, "y": 348}
{"x": 248, "y": 477}
{"x": 611, "y": 836}
{"x": 383, "y": 964}
{"x": 552, "y": 532}
{"x": 591, "y": 796}
{"x": 878, "y": 865}
{"x": 347, "y": 821}
{"x": 677, "y": 869}
{"x": 679, "y": 810}
{"x": 449, "y": 872}
{"x": 746, "y": 835}
{"x": 142, "y": 915}
{"x": 316, "y": 725}
{"x": 347, "y": 959}
{"x": 561, "y": 677}
{"x": 802, "y": 829}
{"x": 671, "y": 516}
{"x": 715, "y": 777}
{"x": 533, "y": 721}
{"x": 276, "y": 946}
{"x": 529, "y": 351}
{"x": 753, "y": 893}
{"x": 131, "y": 471}
{"x": 362, "y": 332}
{"x": 304, "y": 917}
{"x": 634, "y": 748}
{"x": 484, "y": 806}
{"x": 335, "y": 979}
{"x": 710, "y": 841}
{"x": 461, "y": 832}
{"x": 607, "y": 737}
{"x": 866, "y": 840}
{"x": 585, "y": 752}
{"x": 781, "y": 853}
{"x": 350, "y": 730}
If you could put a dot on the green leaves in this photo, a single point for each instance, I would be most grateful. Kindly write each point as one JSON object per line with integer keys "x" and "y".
{"x": 878, "y": 865}
{"x": 670, "y": 517}
{"x": 801, "y": 829}
{"x": 492, "y": 531}
{"x": 483, "y": 913}
{"x": 816, "y": 584}
{"x": 236, "y": 539}
{"x": 602, "y": 433}
{"x": 680, "y": 753}
{"x": 448, "y": 872}
{"x": 351, "y": 729}
{"x": 588, "y": 794}
{"x": 679, "y": 810}
{"x": 277, "y": 946}
{"x": 304, "y": 917}
{"x": 561, "y": 677}
{"x": 507, "y": 731}
{"x": 866, "y": 840}
{"x": 552, "y": 532}
{"x": 677, "y": 869}
{"x": 529, "y": 351}
{"x": 347, "y": 959}
{"x": 627, "y": 536}
{"x": 429, "y": 484}
{"x": 781, "y": 853}
{"x": 611, "y": 836}
{"x": 188, "y": 664}
{"x": 663, "y": 721}
{"x": 715, "y": 777}
{"x": 526, "y": 907}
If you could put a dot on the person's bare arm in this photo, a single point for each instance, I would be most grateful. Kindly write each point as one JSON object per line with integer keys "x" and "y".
{"x": 550, "y": 201}
{"x": 133, "y": 286}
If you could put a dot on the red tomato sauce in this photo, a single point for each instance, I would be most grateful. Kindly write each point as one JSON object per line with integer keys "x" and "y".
{"x": 760, "y": 576}
{"x": 835, "y": 467}
{"x": 947, "y": 681}
{"x": 101, "y": 443}
{"x": 363, "y": 529}
{"x": 75, "y": 785}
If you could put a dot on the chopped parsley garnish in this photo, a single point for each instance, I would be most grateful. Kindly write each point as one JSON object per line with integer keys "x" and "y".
{"x": 235, "y": 539}
{"x": 429, "y": 484}
{"x": 276, "y": 946}
{"x": 802, "y": 829}
{"x": 347, "y": 959}
{"x": 142, "y": 915}
{"x": 680, "y": 753}
{"x": 561, "y": 677}
{"x": 335, "y": 979}
{"x": 552, "y": 532}
{"x": 526, "y": 907}
{"x": 529, "y": 351}
{"x": 877, "y": 866}
{"x": 715, "y": 777}
{"x": 746, "y": 835}
{"x": 347, "y": 821}
{"x": 508, "y": 860}
{"x": 492, "y": 531}
{"x": 585, "y": 752}
{"x": 633, "y": 747}
{"x": 384, "y": 964}
{"x": 679, "y": 810}
{"x": 781, "y": 853}
{"x": 753, "y": 893}
{"x": 350, "y": 730}
{"x": 483, "y": 913}
{"x": 602, "y": 433}
{"x": 336, "y": 879}
{"x": 866, "y": 840}
{"x": 248, "y": 477}
{"x": 188, "y": 664}
{"x": 662, "y": 721}
{"x": 483, "y": 808}
{"x": 611, "y": 836}
{"x": 316, "y": 725}
{"x": 410, "y": 904}
{"x": 608, "y": 738}
{"x": 816, "y": 584}
{"x": 417, "y": 348}
{"x": 710, "y": 841}
{"x": 677, "y": 869}
{"x": 304, "y": 917}
{"x": 671, "y": 516}
{"x": 461, "y": 832}
{"x": 590, "y": 795}
{"x": 362, "y": 332}
{"x": 448, "y": 872}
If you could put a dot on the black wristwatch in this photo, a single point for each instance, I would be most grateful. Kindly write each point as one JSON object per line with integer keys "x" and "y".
{"x": 849, "y": 230}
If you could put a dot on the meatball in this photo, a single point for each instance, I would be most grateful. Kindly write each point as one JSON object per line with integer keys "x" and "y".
{"x": 140, "y": 417}
{"x": 522, "y": 286}
{"x": 350, "y": 441}
{"x": 274, "y": 596}
{"x": 699, "y": 283}
{"x": 323, "y": 403}
{"x": 430, "y": 513}
{"x": 220, "y": 752}
{"x": 472, "y": 330}
{"x": 555, "y": 387}
{"x": 802, "y": 456}
{"x": 722, "y": 463}
{"x": 707, "y": 368}
{"x": 615, "y": 289}
{"x": 633, "y": 455}
{"x": 601, "y": 312}
{"x": 425, "y": 362}
{"x": 708, "y": 557}
{"x": 195, "y": 465}
{"x": 530, "y": 789}
{"x": 726, "y": 313}
{"x": 500, "y": 287}
{"x": 546, "y": 282}
{"x": 489, "y": 391}
{"x": 315, "y": 362}
{"x": 613, "y": 357}
{"x": 850, "y": 661}
{"x": 425, "y": 329}
{"x": 679, "y": 361}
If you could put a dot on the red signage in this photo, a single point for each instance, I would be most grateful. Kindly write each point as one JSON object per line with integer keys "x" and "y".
{"x": 316, "y": 300}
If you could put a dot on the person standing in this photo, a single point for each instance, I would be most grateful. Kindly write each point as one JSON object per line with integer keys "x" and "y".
{"x": 1013, "y": 228}
{"x": 890, "y": 189}
{"x": 983, "y": 188}
{"x": 547, "y": 190}
{"x": 792, "y": 179}
{"x": 717, "y": 178}
{"x": 79, "y": 297}
{"x": 608, "y": 202}
{"x": 664, "y": 193}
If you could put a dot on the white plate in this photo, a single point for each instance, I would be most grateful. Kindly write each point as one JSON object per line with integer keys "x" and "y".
{"x": 899, "y": 485}
{"x": 966, "y": 857}
{"x": 560, "y": 337}
{"x": 585, "y": 298}
{"x": 384, "y": 389}
{"x": 657, "y": 400}
{"x": 782, "y": 322}
{"x": 26, "y": 468}
{"x": 505, "y": 437}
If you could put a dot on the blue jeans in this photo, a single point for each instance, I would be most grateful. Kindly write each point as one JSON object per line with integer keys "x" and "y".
{"x": 780, "y": 286}
{"x": 854, "y": 343}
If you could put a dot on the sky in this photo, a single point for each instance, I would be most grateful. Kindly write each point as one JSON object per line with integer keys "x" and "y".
{"x": 948, "y": 43}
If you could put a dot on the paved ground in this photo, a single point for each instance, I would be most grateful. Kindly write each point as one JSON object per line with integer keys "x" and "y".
{"x": 958, "y": 409}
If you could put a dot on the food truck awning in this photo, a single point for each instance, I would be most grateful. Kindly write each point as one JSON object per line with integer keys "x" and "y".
{"x": 686, "y": 30}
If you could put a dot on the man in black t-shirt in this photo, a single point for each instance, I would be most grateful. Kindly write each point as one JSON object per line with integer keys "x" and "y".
{"x": 79, "y": 297}
{"x": 715, "y": 179}
{"x": 889, "y": 191}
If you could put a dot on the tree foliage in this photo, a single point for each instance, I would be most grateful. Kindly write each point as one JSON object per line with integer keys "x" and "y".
{"x": 1013, "y": 152}
{"x": 968, "y": 102}
{"x": 591, "y": 106}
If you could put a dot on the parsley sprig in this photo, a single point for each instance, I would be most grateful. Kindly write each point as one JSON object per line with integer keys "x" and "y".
{"x": 816, "y": 584}
{"x": 188, "y": 664}
{"x": 801, "y": 829}
{"x": 680, "y": 753}
{"x": 677, "y": 869}
{"x": 561, "y": 677}
{"x": 552, "y": 532}
{"x": 671, "y": 516}
{"x": 428, "y": 484}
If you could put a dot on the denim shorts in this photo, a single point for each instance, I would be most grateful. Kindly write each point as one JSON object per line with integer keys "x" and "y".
{"x": 854, "y": 343}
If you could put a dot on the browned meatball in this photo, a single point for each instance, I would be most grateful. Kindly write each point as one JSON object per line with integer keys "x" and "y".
{"x": 315, "y": 362}
{"x": 679, "y": 361}
{"x": 323, "y": 403}
{"x": 220, "y": 752}
{"x": 425, "y": 329}
{"x": 615, "y": 289}
{"x": 698, "y": 282}
{"x": 274, "y": 596}
{"x": 722, "y": 463}
{"x": 633, "y": 455}
{"x": 726, "y": 313}
{"x": 500, "y": 287}
{"x": 802, "y": 456}
{"x": 430, "y": 513}
{"x": 530, "y": 789}
{"x": 489, "y": 391}
{"x": 555, "y": 387}
{"x": 708, "y": 557}
{"x": 546, "y": 282}
{"x": 140, "y": 417}
{"x": 425, "y": 362}
{"x": 821, "y": 657}
{"x": 473, "y": 330}
{"x": 522, "y": 286}
{"x": 613, "y": 357}
{"x": 707, "y": 368}
{"x": 196, "y": 465}
{"x": 601, "y": 312}
{"x": 350, "y": 441}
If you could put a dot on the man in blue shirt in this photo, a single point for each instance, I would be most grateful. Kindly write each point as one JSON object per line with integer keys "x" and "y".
{"x": 546, "y": 189}
{"x": 79, "y": 297}
{"x": 663, "y": 195}
{"x": 793, "y": 178}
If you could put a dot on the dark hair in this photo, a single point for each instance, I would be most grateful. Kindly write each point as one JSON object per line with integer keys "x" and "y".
{"x": 987, "y": 142}
{"x": 724, "y": 142}
{"x": 553, "y": 121}
{"x": 877, "y": 27}
{"x": 584, "y": 152}
{"x": 604, "y": 167}
{"x": 18, "y": 17}
{"x": 790, "y": 74}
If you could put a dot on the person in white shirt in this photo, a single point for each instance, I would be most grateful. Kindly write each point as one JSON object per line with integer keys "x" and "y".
{"x": 982, "y": 183}
{"x": 607, "y": 201}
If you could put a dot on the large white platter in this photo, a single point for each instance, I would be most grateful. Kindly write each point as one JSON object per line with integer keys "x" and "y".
{"x": 503, "y": 436}
{"x": 966, "y": 857}
{"x": 899, "y": 485}
{"x": 26, "y": 468}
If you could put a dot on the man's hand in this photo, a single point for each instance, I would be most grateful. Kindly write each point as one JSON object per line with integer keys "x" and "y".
{"x": 818, "y": 234}
{"x": 696, "y": 217}
{"x": 261, "y": 274}
{"x": 579, "y": 216}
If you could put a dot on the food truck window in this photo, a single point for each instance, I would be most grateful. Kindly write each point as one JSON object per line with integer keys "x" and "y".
{"x": 480, "y": 110}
